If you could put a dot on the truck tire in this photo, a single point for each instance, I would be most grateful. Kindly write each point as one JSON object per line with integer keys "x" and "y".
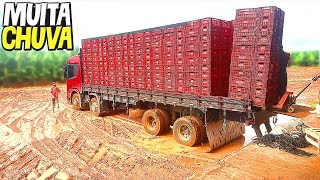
{"x": 154, "y": 122}
{"x": 137, "y": 113}
{"x": 75, "y": 101}
{"x": 186, "y": 131}
{"x": 95, "y": 107}
{"x": 202, "y": 129}
{"x": 167, "y": 118}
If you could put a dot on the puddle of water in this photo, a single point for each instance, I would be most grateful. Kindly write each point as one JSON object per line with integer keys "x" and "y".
{"x": 166, "y": 145}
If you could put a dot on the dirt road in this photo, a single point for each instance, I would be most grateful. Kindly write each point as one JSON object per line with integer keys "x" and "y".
{"x": 38, "y": 143}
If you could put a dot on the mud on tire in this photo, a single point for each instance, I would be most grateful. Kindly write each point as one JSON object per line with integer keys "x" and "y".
{"x": 187, "y": 130}
{"x": 76, "y": 101}
{"x": 95, "y": 107}
{"x": 154, "y": 122}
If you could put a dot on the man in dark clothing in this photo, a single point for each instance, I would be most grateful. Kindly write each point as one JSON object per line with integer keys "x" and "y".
{"x": 55, "y": 94}
{"x": 285, "y": 57}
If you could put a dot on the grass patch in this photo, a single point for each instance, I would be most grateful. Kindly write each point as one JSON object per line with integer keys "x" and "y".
{"x": 293, "y": 80}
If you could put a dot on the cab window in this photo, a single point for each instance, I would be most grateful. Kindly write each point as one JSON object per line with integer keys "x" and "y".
{"x": 72, "y": 70}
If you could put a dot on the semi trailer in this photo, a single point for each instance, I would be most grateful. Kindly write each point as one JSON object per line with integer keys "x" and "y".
{"x": 190, "y": 76}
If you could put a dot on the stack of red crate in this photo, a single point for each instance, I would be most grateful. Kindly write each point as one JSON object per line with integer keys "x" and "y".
{"x": 189, "y": 58}
{"x": 205, "y": 61}
{"x": 257, "y": 47}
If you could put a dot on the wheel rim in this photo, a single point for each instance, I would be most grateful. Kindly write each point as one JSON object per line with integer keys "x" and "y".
{"x": 152, "y": 123}
{"x": 290, "y": 109}
{"x": 184, "y": 132}
{"x": 94, "y": 107}
{"x": 75, "y": 102}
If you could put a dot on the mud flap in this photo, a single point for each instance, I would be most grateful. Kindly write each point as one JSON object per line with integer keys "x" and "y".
{"x": 217, "y": 136}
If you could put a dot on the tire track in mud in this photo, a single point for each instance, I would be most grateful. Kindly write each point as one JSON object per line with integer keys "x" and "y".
{"x": 82, "y": 146}
{"x": 18, "y": 164}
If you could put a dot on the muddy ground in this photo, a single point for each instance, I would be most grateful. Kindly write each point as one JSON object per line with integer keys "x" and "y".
{"x": 38, "y": 143}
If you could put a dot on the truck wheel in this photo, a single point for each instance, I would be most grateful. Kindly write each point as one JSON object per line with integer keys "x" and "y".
{"x": 95, "y": 107}
{"x": 186, "y": 131}
{"x": 290, "y": 109}
{"x": 137, "y": 113}
{"x": 167, "y": 119}
{"x": 154, "y": 122}
{"x": 76, "y": 101}
{"x": 202, "y": 129}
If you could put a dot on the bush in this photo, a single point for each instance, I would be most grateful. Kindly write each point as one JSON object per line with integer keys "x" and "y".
{"x": 304, "y": 58}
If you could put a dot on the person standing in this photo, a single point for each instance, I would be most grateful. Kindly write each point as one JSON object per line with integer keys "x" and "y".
{"x": 55, "y": 94}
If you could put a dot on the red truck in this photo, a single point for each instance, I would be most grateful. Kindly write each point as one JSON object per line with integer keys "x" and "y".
{"x": 198, "y": 77}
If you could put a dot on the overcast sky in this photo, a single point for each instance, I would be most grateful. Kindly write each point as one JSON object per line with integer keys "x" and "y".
{"x": 99, "y": 18}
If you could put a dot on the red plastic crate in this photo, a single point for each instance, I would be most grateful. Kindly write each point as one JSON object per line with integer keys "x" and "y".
{"x": 241, "y": 73}
{"x": 169, "y": 74}
{"x": 170, "y": 87}
{"x": 156, "y": 55}
{"x": 270, "y": 11}
{"x": 216, "y": 22}
{"x": 240, "y": 82}
{"x": 169, "y": 41}
{"x": 170, "y": 49}
{"x": 192, "y": 54}
{"x": 168, "y": 55}
{"x": 194, "y": 90}
{"x": 248, "y": 22}
{"x": 240, "y": 90}
{"x": 138, "y": 45}
{"x": 157, "y": 62}
{"x": 245, "y": 56}
{"x": 179, "y": 69}
{"x": 264, "y": 40}
{"x": 131, "y": 46}
{"x": 243, "y": 49}
{"x": 170, "y": 80}
{"x": 244, "y": 40}
{"x": 264, "y": 83}
{"x": 239, "y": 96}
{"x": 248, "y": 12}
{"x": 192, "y": 82}
{"x": 191, "y": 75}
{"x": 192, "y": 40}
{"x": 191, "y": 61}
{"x": 245, "y": 65}
{"x": 169, "y": 61}
{"x": 191, "y": 47}
{"x": 158, "y": 74}
{"x": 180, "y": 74}
{"x": 192, "y": 68}
{"x": 179, "y": 32}
{"x": 180, "y": 41}
{"x": 158, "y": 87}
{"x": 266, "y": 65}
{"x": 191, "y": 31}
{"x": 138, "y": 37}
{"x": 156, "y": 50}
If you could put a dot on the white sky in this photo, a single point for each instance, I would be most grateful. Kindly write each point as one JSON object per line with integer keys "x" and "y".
{"x": 99, "y": 18}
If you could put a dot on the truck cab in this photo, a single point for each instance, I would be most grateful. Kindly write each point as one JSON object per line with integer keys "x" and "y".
{"x": 73, "y": 76}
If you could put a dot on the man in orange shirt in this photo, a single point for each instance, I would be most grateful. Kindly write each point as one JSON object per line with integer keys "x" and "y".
{"x": 55, "y": 92}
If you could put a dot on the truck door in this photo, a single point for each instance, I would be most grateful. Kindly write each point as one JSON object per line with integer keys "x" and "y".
{"x": 73, "y": 75}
